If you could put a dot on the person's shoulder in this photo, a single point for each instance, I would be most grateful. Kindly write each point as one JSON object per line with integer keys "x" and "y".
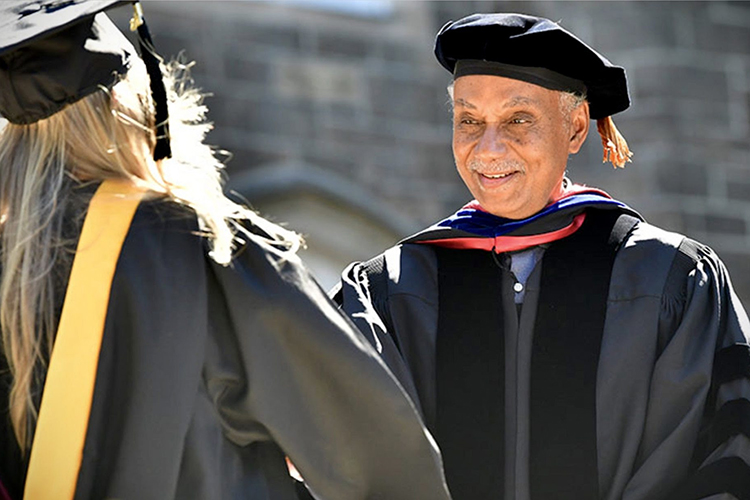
{"x": 657, "y": 262}
{"x": 265, "y": 258}
{"x": 654, "y": 240}
{"x": 162, "y": 213}
{"x": 407, "y": 268}
{"x": 643, "y": 262}
{"x": 163, "y": 249}
{"x": 653, "y": 237}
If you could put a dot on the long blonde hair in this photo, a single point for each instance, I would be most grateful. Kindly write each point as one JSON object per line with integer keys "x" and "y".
{"x": 108, "y": 134}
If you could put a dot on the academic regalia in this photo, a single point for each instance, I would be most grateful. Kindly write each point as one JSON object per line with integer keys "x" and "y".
{"x": 669, "y": 406}
{"x": 209, "y": 375}
{"x": 580, "y": 353}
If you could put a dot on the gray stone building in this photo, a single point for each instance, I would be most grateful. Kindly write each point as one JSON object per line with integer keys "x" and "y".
{"x": 337, "y": 119}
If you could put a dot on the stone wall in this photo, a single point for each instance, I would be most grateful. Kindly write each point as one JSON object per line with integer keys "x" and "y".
{"x": 360, "y": 96}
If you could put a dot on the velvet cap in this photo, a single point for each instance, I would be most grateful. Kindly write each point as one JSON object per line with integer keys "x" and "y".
{"x": 56, "y": 52}
{"x": 535, "y": 50}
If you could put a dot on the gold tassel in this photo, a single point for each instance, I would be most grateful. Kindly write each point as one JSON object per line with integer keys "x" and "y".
{"x": 615, "y": 147}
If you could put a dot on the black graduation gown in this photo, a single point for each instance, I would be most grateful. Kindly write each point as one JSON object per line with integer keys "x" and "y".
{"x": 209, "y": 375}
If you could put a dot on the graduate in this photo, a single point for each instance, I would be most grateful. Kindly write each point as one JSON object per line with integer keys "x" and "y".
{"x": 158, "y": 340}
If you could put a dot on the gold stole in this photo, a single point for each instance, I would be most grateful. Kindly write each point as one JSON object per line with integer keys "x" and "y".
{"x": 60, "y": 435}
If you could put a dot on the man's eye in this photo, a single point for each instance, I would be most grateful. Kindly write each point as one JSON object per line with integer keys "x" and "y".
{"x": 519, "y": 121}
{"x": 468, "y": 121}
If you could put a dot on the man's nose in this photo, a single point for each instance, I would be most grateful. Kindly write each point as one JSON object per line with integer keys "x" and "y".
{"x": 492, "y": 144}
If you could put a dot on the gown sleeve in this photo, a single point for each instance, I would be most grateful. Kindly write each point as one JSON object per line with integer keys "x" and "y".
{"x": 305, "y": 377}
{"x": 695, "y": 443}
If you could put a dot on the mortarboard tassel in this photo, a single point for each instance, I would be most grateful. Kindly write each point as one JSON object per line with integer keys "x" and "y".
{"x": 615, "y": 146}
{"x": 158, "y": 91}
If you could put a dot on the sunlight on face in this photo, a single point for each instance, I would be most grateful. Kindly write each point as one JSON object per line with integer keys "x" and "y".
{"x": 511, "y": 142}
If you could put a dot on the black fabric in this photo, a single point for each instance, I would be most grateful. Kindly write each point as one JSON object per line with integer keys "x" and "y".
{"x": 565, "y": 355}
{"x": 732, "y": 363}
{"x": 12, "y": 464}
{"x": 162, "y": 149}
{"x": 733, "y": 418}
{"x": 377, "y": 280}
{"x": 470, "y": 364}
{"x": 676, "y": 284}
{"x": 302, "y": 492}
{"x": 53, "y": 67}
{"x": 682, "y": 264}
{"x": 538, "y": 76}
{"x": 165, "y": 364}
{"x": 727, "y": 475}
{"x": 536, "y": 42}
{"x": 56, "y": 52}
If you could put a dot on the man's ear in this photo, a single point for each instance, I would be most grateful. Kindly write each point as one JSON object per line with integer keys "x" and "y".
{"x": 579, "y": 127}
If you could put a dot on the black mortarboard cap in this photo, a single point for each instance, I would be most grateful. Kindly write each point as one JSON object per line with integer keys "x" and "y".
{"x": 538, "y": 51}
{"x": 56, "y": 52}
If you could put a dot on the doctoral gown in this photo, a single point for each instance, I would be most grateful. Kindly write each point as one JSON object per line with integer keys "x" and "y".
{"x": 210, "y": 375}
{"x": 671, "y": 386}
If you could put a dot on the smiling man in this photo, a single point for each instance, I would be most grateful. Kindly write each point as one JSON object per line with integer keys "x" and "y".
{"x": 559, "y": 346}
{"x": 511, "y": 141}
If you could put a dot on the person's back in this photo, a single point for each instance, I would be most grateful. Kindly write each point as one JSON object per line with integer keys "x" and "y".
{"x": 220, "y": 355}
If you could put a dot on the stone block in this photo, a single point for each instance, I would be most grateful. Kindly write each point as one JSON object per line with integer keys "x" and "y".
{"x": 247, "y": 69}
{"x": 643, "y": 128}
{"x": 319, "y": 80}
{"x": 435, "y": 162}
{"x": 703, "y": 118}
{"x": 245, "y": 34}
{"x": 681, "y": 178}
{"x": 341, "y": 45}
{"x": 641, "y": 24}
{"x": 245, "y": 158}
{"x": 669, "y": 220}
{"x": 724, "y": 27}
{"x": 739, "y": 189}
{"x": 664, "y": 80}
{"x": 413, "y": 100}
{"x": 725, "y": 224}
{"x": 265, "y": 115}
{"x": 723, "y": 39}
{"x": 694, "y": 223}
{"x": 397, "y": 52}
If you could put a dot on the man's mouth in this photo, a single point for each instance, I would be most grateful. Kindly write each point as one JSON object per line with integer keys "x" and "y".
{"x": 497, "y": 176}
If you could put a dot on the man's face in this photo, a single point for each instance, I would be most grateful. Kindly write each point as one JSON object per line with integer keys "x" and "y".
{"x": 511, "y": 142}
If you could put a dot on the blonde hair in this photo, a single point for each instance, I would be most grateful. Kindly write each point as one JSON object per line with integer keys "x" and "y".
{"x": 108, "y": 134}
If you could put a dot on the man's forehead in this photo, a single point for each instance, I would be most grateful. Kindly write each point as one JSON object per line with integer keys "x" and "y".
{"x": 472, "y": 90}
{"x": 513, "y": 101}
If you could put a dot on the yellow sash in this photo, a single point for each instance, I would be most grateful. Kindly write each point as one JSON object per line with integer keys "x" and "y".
{"x": 57, "y": 450}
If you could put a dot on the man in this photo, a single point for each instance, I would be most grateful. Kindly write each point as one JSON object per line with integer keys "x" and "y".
{"x": 559, "y": 346}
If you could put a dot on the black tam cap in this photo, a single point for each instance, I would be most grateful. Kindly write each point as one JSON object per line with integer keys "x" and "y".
{"x": 538, "y": 51}
{"x": 56, "y": 52}
{"x": 533, "y": 49}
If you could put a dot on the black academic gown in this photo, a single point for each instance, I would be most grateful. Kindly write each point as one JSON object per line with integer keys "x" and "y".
{"x": 672, "y": 385}
{"x": 209, "y": 375}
